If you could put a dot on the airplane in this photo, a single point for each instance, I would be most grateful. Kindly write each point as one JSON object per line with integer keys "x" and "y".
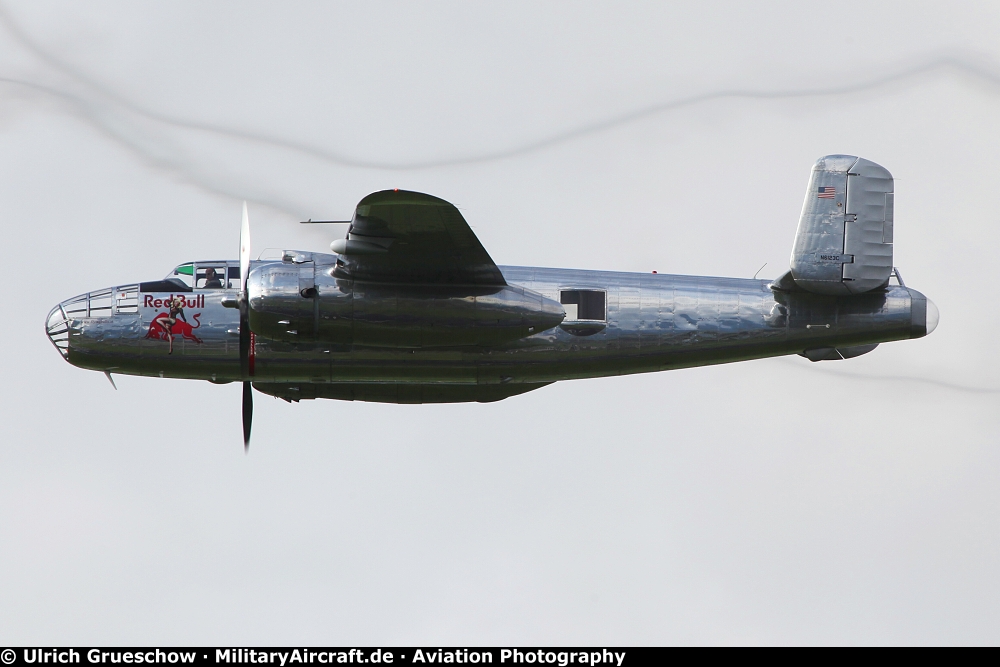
{"x": 410, "y": 308}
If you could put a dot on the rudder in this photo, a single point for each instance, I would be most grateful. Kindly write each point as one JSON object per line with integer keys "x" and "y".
{"x": 843, "y": 244}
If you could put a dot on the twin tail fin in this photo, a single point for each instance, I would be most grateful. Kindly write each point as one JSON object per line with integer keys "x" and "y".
{"x": 843, "y": 244}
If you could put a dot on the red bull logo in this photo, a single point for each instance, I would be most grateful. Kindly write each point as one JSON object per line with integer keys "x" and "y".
{"x": 165, "y": 326}
{"x": 161, "y": 331}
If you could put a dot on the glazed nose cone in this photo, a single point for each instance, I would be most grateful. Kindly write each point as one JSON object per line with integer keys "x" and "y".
{"x": 57, "y": 329}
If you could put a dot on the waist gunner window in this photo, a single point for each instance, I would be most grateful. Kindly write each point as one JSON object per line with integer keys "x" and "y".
{"x": 583, "y": 304}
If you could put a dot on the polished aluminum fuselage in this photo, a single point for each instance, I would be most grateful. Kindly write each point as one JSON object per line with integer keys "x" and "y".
{"x": 653, "y": 323}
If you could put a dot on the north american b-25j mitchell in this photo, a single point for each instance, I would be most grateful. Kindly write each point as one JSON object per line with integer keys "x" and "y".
{"x": 410, "y": 308}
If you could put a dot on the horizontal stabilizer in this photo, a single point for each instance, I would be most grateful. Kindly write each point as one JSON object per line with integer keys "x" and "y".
{"x": 843, "y": 244}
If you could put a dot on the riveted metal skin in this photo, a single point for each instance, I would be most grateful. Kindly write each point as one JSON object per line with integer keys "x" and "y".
{"x": 343, "y": 311}
{"x": 412, "y": 309}
{"x": 843, "y": 244}
{"x": 654, "y": 323}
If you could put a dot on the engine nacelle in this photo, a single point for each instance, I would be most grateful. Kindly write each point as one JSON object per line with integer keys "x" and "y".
{"x": 299, "y": 300}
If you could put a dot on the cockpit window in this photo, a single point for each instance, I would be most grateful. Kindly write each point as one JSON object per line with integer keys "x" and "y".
{"x": 184, "y": 273}
{"x": 206, "y": 275}
{"x": 211, "y": 275}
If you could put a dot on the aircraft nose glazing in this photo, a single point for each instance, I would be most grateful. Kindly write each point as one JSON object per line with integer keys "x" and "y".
{"x": 57, "y": 329}
{"x": 59, "y": 324}
{"x": 99, "y": 306}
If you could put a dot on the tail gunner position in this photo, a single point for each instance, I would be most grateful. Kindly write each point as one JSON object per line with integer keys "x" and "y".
{"x": 410, "y": 308}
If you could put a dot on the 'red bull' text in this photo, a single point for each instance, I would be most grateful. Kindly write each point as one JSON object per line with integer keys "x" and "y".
{"x": 149, "y": 301}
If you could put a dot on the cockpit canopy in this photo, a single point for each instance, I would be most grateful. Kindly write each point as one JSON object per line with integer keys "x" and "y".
{"x": 206, "y": 275}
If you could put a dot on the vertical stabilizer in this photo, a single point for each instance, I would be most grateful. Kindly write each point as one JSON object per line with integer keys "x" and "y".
{"x": 844, "y": 241}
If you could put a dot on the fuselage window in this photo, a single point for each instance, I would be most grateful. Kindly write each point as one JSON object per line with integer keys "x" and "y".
{"x": 583, "y": 304}
{"x": 211, "y": 276}
{"x": 183, "y": 273}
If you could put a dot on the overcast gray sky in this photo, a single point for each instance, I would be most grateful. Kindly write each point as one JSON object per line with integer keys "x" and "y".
{"x": 774, "y": 501}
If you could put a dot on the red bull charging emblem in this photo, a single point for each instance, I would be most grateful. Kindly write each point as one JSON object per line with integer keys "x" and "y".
{"x": 173, "y": 321}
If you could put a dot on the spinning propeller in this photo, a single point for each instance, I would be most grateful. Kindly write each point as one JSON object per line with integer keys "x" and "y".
{"x": 246, "y": 337}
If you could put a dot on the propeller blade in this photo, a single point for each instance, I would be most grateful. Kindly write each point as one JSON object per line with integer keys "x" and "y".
{"x": 245, "y": 336}
{"x": 247, "y": 414}
{"x": 244, "y": 250}
{"x": 244, "y": 309}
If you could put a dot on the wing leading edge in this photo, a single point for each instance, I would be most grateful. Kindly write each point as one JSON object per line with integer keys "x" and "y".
{"x": 398, "y": 236}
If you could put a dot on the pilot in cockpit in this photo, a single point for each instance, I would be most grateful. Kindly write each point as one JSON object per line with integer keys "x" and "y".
{"x": 212, "y": 280}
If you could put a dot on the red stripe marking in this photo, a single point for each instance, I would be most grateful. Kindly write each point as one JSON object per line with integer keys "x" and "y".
{"x": 253, "y": 352}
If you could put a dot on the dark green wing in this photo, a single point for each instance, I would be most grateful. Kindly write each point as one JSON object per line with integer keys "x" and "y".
{"x": 408, "y": 237}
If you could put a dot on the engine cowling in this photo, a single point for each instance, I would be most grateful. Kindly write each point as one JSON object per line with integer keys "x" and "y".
{"x": 300, "y": 301}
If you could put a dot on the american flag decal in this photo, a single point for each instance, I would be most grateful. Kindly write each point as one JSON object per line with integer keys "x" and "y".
{"x": 827, "y": 192}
